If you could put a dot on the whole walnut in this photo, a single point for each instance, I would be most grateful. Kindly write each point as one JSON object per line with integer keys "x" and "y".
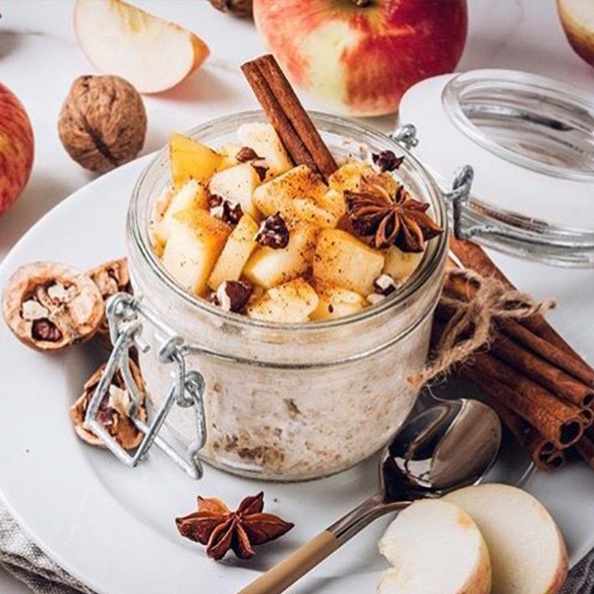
{"x": 102, "y": 122}
{"x": 240, "y": 8}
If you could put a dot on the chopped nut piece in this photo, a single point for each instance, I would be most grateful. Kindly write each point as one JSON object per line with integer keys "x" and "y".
{"x": 233, "y": 295}
{"x": 223, "y": 209}
{"x": 386, "y": 161}
{"x": 375, "y": 298}
{"x": 111, "y": 278}
{"x": 51, "y": 306}
{"x": 273, "y": 232}
{"x": 114, "y": 412}
{"x": 220, "y": 529}
{"x": 261, "y": 168}
{"x": 246, "y": 154}
{"x": 384, "y": 285}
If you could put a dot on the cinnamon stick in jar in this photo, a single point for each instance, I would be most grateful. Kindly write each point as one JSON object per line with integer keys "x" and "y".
{"x": 288, "y": 117}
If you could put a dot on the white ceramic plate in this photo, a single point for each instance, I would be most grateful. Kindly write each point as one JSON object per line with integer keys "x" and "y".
{"x": 113, "y": 527}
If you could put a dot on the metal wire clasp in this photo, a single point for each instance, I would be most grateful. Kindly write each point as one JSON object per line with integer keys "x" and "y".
{"x": 125, "y": 315}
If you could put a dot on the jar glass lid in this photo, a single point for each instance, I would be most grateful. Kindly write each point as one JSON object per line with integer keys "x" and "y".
{"x": 530, "y": 141}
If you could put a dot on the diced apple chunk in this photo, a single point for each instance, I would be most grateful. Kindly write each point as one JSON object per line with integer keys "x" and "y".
{"x": 278, "y": 194}
{"x": 268, "y": 267}
{"x": 229, "y": 152}
{"x": 291, "y": 302}
{"x": 356, "y": 176}
{"x": 196, "y": 240}
{"x": 235, "y": 254}
{"x": 264, "y": 140}
{"x": 336, "y": 302}
{"x": 308, "y": 211}
{"x": 333, "y": 202}
{"x": 191, "y": 160}
{"x": 237, "y": 184}
{"x": 344, "y": 260}
{"x": 191, "y": 195}
{"x": 401, "y": 265}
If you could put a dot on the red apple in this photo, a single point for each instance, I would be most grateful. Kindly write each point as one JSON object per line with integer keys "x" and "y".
{"x": 16, "y": 148}
{"x": 360, "y": 56}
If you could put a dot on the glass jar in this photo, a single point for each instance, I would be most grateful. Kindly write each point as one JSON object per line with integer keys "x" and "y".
{"x": 290, "y": 402}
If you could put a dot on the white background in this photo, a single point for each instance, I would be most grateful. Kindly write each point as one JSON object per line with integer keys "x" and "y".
{"x": 39, "y": 59}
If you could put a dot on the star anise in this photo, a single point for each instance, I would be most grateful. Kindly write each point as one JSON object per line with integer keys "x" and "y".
{"x": 220, "y": 529}
{"x": 391, "y": 220}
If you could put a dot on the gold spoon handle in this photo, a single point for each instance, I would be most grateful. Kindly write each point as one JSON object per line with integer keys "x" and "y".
{"x": 295, "y": 566}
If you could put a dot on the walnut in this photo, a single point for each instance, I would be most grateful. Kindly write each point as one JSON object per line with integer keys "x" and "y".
{"x": 240, "y": 8}
{"x": 103, "y": 122}
{"x": 115, "y": 412}
{"x": 52, "y": 306}
{"x": 111, "y": 278}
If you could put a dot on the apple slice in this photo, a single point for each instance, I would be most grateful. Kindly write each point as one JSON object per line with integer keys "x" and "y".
{"x": 190, "y": 159}
{"x": 196, "y": 240}
{"x": 436, "y": 548}
{"x": 528, "y": 553}
{"x": 264, "y": 141}
{"x": 237, "y": 185}
{"x": 269, "y": 267}
{"x": 342, "y": 259}
{"x": 291, "y": 302}
{"x": 151, "y": 53}
{"x": 235, "y": 254}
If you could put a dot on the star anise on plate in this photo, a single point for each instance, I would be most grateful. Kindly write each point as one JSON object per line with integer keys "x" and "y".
{"x": 391, "y": 220}
{"x": 220, "y": 529}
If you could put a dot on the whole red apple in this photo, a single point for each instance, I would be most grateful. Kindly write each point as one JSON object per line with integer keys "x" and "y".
{"x": 360, "y": 56}
{"x": 16, "y": 148}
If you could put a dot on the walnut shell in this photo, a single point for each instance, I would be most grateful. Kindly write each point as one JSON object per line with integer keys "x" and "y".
{"x": 103, "y": 122}
{"x": 51, "y": 306}
{"x": 240, "y": 8}
{"x": 111, "y": 415}
{"x": 111, "y": 278}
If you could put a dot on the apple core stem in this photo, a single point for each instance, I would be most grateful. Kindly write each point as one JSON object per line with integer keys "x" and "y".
{"x": 361, "y": 3}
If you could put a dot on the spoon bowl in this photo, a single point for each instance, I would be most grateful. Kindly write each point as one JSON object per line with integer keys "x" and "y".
{"x": 452, "y": 444}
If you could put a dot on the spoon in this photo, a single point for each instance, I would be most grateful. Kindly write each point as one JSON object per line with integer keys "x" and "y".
{"x": 450, "y": 445}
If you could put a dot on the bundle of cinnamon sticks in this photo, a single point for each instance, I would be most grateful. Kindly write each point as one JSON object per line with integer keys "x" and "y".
{"x": 541, "y": 388}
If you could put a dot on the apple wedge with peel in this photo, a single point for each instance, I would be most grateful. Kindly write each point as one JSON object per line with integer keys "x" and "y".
{"x": 150, "y": 52}
{"x": 435, "y": 548}
{"x": 528, "y": 553}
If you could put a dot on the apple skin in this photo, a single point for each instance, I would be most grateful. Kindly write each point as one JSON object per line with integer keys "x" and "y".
{"x": 16, "y": 148}
{"x": 577, "y": 19}
{"x": 360, "y": 60}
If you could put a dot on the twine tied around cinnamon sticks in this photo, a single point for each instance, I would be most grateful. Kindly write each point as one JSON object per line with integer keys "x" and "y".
{"x": 470, "y": 316}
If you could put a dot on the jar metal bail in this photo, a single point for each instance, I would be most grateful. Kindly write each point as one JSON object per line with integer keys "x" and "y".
{"x": 125, "y": 315}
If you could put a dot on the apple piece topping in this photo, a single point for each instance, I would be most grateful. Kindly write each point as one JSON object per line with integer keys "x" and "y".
{"x": 273, "y": 232}
{"x": 233, "y": 295}
{"x": 386, "y": 161}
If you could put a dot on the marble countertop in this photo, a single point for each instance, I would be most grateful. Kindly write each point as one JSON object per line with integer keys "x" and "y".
{"x": 39, "y": 59}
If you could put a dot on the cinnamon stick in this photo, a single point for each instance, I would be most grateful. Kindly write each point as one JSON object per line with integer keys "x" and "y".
{"x": 285, "y": 112}
{"x": 543, "y": 453}
{"x": 557, "y": 421}
{"x": 557, "y": 357}
{"x": 585, "y": 447}
{"x": 474, "y": 257}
